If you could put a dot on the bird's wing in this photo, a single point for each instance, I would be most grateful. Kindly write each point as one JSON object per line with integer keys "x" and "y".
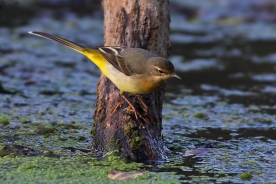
{"x": 115, "y": 58}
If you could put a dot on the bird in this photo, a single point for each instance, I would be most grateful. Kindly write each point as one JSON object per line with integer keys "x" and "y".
{"x": 132, "y": 70}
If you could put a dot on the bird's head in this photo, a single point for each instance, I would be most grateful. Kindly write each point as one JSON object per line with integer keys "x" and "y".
{"x": 161, "y": 67}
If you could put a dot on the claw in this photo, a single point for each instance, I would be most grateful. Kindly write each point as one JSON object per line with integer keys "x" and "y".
{"x": 136, "y": 113}
{"x": 146, "y": 109}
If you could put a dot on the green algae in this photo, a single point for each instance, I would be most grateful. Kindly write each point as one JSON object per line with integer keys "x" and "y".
{"x": 79, "y": 169}
{"x": 44, "y": 129}
{"x": 4, "y": 120}
{"x": 201, "y": 115}
{"x": 246, "y": 176}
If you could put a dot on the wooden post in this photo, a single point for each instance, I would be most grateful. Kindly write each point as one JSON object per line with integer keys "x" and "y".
{"x": 132, "y": 23}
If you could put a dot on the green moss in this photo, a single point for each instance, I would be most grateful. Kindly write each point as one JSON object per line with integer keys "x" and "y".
{"x": 135, "y": 141}
{"x": 129, "y": 127}
{"x": 138, "y": 139}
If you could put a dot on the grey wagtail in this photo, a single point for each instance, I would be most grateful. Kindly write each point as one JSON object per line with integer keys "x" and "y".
{"x": 132, "y": 70}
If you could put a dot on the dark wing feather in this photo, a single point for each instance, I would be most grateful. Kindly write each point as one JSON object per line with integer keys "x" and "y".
{"x": 114, "y": 57}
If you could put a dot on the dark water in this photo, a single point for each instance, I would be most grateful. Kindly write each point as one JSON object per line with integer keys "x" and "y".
{"x": 224, "y": 52}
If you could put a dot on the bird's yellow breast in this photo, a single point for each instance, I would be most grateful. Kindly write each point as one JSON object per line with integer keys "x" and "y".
{"x": 149, "y": 84}
{"x": 136, "y": 84}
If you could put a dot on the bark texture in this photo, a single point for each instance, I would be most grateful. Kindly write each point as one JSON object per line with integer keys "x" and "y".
{"x": 132, "y": 23}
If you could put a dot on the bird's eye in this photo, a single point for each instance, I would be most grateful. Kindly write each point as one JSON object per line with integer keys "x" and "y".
{"x": 160, "y": 71}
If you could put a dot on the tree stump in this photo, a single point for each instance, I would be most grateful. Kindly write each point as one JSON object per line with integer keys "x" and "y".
{"x": 137, "y": 24}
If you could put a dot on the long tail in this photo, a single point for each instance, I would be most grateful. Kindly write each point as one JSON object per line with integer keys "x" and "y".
{"x": 72, "y": 45}
{"x": 94, "y": 55}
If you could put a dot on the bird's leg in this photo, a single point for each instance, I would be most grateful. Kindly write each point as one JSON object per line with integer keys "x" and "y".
{"x": 133, "y": 108}
{"x": 116, "y": 108}
{"x": 143, "y": 103}
{"x": 146, "y": 109}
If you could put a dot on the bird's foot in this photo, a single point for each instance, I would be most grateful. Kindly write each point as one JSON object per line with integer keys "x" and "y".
{"x": 146, "y": 109}
{"x": 116, "y": 108}
{"x": 136, "y": 113}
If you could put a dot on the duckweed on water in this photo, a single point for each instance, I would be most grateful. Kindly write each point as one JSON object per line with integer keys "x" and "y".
{"x": 4, "y": 120}
{"x": 246, "y": 176}
{"x": 44, "y": 129}
{"x": 200, "y": 115}
{"x": 80, "y": 169}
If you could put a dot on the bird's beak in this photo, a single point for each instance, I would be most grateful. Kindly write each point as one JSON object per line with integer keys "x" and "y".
{"x": 176, "y": 76}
